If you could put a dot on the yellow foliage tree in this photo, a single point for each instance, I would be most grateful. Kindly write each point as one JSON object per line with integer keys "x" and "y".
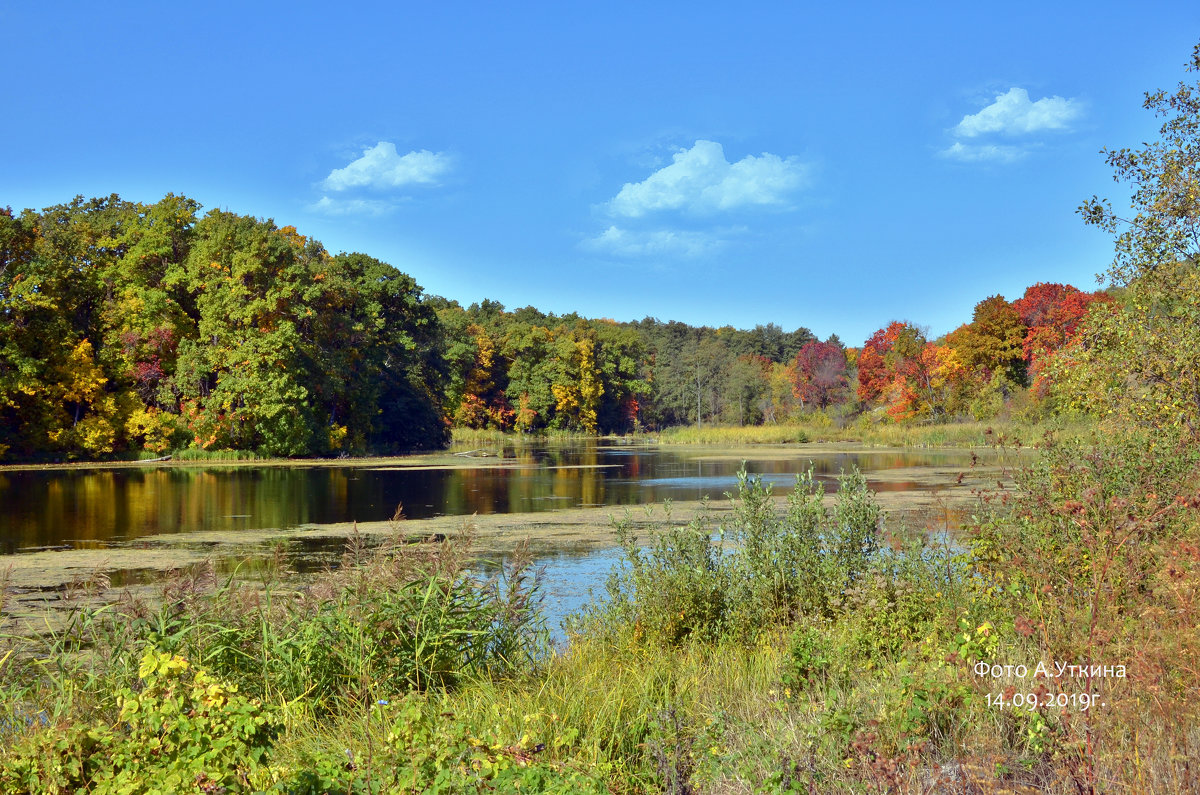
{"x": 577, "y": 395}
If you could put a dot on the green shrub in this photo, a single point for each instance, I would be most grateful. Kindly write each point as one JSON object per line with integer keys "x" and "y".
{"x": 183, "y": 729}
{"x": 746, "y": 576}
{"x": 809, "y": 659}
{"x": 676, "y": 588}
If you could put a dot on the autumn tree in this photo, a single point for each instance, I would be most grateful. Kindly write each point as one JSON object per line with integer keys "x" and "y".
{"x": 993, "y": 341}
{"x": 132, "y": 327}
{"x": 819, "y": 374}
{"x": 1052, "y": 314}
{"x": 577, "y": 388}
{"x": 56, "y": 395}
{"x": 946, "y": 379}
{"x": 893, "y": 370}
{"x": 483, "y": 403}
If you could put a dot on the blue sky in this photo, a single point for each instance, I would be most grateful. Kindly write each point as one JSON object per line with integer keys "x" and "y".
{"x": 807, "y": 164}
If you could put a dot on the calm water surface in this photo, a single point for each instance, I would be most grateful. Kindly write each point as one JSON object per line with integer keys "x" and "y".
{"x": 84, "y": 508}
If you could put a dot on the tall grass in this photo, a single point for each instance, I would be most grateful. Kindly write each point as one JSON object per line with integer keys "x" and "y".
{"x": 491, "y": 436}
{"x": 406, "y": 617}
{"x": 728, "y": 435}
{"x": 888, "y": 434}
{"x": 200, "y": 454}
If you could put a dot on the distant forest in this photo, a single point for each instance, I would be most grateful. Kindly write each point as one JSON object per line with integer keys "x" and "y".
{"x": 128, "y": 328}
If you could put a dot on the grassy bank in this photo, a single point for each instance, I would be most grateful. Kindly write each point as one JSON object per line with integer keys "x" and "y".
{"x": 951, "y": 434}
{"x": 795, "y": 647}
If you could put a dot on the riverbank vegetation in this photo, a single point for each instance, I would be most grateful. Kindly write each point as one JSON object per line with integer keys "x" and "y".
{"x": 819, "y": 428}
{"x": 706, "y": 664}
{"x": 529, "y": 372}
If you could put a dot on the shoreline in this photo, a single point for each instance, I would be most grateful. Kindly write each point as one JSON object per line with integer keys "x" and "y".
{"x": 448, "y": 459}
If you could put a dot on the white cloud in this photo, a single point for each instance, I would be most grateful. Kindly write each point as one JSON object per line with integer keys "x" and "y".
{"x": 701, "y": 180}
{"x": 330, "y": 206}
{"x": 971, "y": 153}
{"x": 1013, "y": 114}
{"x": 381, "y": 166}
{"x": 656, "y": 242}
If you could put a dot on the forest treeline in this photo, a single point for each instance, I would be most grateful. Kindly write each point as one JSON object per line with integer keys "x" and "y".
{"x": 129, "y": 328}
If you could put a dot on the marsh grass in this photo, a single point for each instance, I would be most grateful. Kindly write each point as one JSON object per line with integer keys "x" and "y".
{"x": 402, "y": 617}
{"x": 818, "y": 428}
{"x": 200, "y": 454}
{"x": 736, "y": 434}
{"x": 490, "y": 436}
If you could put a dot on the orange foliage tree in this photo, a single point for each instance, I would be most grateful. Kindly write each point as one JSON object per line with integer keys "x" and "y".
{"x": 892, "y": 370}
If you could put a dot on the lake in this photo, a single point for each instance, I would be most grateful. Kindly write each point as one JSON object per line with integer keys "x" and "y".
{"x": 87, "y": 508}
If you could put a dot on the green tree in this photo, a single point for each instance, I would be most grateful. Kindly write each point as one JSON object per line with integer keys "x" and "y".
{"x": 527, "y": 348}
{"x": 747, "y": 383}
{"x": 373, "y": 353}
{"x": 57, "y": 397}
{"x": 624, "y": 370}
{"x": 1141, "y": 362}
{"x": 244, "y": 371}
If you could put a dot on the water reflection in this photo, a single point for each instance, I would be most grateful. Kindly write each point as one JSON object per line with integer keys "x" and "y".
{"x": 88, "y": 508}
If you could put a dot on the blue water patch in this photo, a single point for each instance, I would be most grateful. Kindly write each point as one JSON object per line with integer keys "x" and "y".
{"x": 22, "y": 720}
{"x": 569, "y": 582}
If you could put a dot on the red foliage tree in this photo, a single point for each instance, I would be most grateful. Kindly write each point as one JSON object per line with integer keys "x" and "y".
{"x": 1053, "y": 312}
{"x": 1039, "y": 300}
{"x": 819, "y": 374}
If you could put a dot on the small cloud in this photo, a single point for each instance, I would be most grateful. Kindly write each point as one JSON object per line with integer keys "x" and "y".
{"x": 381, "y": 166}
{"x": 700, "y": 180}
{"x": 329, "y": 206}
{"x": 969, "y": 153}
{"x": 657, "y": 242}
{"x": 1013, "y": 114}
